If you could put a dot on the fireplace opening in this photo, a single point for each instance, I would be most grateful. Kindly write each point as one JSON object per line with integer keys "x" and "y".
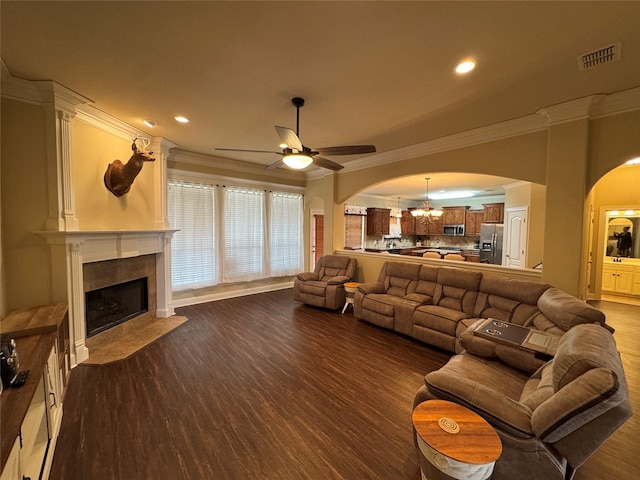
{"x": 109, "y": 306}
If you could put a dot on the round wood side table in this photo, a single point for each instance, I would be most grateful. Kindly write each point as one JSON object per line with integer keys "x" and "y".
{"x": 350, "y": 289}
{"x": 454, "y": 442}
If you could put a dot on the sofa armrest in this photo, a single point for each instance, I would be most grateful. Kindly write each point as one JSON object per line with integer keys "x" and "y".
{"x": 567, "y": 311}
{"x": 576, "y": 404}
{"x": 371, "y": 287}
{"x": 306, "y": 276}
{"x": 339, "y": 280}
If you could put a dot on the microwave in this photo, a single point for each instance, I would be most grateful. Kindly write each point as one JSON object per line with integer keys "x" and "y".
{"x": 454, "y": 230}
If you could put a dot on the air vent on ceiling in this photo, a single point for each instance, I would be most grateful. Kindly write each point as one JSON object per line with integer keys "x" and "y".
{"x": 601, "y": 56}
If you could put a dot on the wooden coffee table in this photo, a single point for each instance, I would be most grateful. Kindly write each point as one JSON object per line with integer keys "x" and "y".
{"x": 454, "y": 442}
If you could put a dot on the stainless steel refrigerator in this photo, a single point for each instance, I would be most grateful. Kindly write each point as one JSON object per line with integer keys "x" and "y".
{"x": 491, "y": 243}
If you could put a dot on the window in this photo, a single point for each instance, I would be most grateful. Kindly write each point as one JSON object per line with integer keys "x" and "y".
{"x": 285, "y": 234}
{"x": 244, "y": 228}
{"x": 232, "y": 234}
{"x": 191, "y": 209}
{"x": 353, "y": 231}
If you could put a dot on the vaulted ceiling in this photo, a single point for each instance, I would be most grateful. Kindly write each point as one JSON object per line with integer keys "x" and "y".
{"x": 371, "y": 72}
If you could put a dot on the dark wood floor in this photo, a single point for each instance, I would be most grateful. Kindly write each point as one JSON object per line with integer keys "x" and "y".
{"x": 261, "y": 387}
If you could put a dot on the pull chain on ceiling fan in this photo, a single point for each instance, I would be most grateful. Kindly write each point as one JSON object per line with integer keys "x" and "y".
{"x": 296, "y": 155}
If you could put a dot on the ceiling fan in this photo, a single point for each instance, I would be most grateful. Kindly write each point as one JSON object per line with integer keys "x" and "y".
{"x": 296, "y": 155}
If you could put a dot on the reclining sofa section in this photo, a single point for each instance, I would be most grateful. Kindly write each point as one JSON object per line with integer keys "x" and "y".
{"x": 437, "y": 305}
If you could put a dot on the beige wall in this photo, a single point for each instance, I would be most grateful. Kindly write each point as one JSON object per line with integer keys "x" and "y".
{"x": 25, "y": 203}
{"x": 96, "y": 207}
{"x": 613, "y": 140}
{"x": 522, "y": 158}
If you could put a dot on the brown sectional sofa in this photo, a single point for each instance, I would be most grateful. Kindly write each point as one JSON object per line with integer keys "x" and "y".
{"x": 437, "y": 305}
{"x": 551, "y": 421}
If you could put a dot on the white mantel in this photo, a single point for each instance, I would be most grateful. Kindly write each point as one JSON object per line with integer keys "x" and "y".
{"x": 80, "y": 247}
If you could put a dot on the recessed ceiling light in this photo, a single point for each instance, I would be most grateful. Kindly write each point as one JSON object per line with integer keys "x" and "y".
{"x": 181, "y": 119}
{"x": 150, "y": 123}
{"x": 465, "y": 67}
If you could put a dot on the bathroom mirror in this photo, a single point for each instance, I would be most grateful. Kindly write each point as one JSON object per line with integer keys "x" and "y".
{"x": 619, "y": 225}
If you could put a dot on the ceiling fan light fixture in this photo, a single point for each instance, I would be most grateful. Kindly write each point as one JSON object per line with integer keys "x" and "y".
{"x": 465, "y": 67}
{"x": 297, "y": 160}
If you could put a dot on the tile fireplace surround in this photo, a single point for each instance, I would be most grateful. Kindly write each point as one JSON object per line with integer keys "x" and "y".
{"x": 78, "y": 249}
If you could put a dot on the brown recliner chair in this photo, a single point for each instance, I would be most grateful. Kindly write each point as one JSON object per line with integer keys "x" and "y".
{"x": 324, "y": 287}
{"x": 551, "y": 422}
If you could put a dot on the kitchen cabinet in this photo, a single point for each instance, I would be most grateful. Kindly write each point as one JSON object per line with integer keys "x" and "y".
{"x": 493, "y": 212}
{"x": 617, "y": 278}
{"x": 454, "y": 215}
{"x": 378, "y": 221}
{"x": 473, "y": 221}
{"x": 433, "y": 226}
{"x": 407, "y": 223}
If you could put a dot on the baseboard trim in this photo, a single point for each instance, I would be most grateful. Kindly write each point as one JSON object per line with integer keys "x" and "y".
{"x": 213, "y": 297}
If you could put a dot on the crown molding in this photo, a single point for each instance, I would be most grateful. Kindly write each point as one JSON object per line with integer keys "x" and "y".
{"x": 593, "y": 106}
{"x": 90, "y": 115}
{"x": 572, "y": 110}
{"x": 617, "y": 103}
{"x": 511, "y": 128}
{"x": 40, "y": 92}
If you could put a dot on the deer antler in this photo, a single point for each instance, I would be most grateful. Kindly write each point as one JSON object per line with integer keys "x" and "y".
{"x": 144, "y": 140}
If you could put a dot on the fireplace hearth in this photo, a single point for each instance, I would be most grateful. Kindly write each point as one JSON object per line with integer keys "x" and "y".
{"x": 110, "y": 306}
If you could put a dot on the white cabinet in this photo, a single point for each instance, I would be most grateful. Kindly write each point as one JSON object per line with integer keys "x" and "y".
{"x": 617, "y": 278}
{"x": 635, "y": 288}
{"x": 12, "y": 468}
{"x": 32, "y": 453}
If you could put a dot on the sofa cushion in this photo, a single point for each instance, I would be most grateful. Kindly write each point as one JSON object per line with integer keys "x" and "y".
{"x": 330, "y": 266}
{"x": 313, "y": 287}
{"x": 490, "y": 388}
{"x": 418, "y": 298}
{"x": 382, "y": 303}
{"x": 457, "y": 289}
{"x": 428, "y": 281}
{"x": 509, "y": 300}
{"x": 441, "y": 319}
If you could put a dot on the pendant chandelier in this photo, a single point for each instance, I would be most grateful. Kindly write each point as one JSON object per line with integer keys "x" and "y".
{"x": 425, "y": 213}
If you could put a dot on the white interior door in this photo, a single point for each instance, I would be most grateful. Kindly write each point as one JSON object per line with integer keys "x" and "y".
{"x": 515, "y": 241}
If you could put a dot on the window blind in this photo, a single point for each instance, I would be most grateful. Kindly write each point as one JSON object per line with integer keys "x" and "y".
{"x": 191, "y": 209}
{"x": 244, "y": 234}
{"x": 353, "y": 231}
{"x": 285, "y": 234}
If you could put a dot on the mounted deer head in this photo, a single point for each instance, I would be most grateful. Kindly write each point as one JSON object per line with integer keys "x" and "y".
{"x": 119, "y": 176}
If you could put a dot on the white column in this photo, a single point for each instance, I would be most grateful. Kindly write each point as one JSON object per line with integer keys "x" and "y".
{"x": 164, "y": 307}
{"x": 63, "y": 119}
{"x": 160, "y": 148}
{"x": 75, "y": 285}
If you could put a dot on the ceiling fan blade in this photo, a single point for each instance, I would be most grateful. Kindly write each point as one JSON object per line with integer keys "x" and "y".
{"x": 289, "y": 138}
{"x": 277, "y": 164}
{"x": 324, "y": 163}
{"x": 346, "y": 150}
